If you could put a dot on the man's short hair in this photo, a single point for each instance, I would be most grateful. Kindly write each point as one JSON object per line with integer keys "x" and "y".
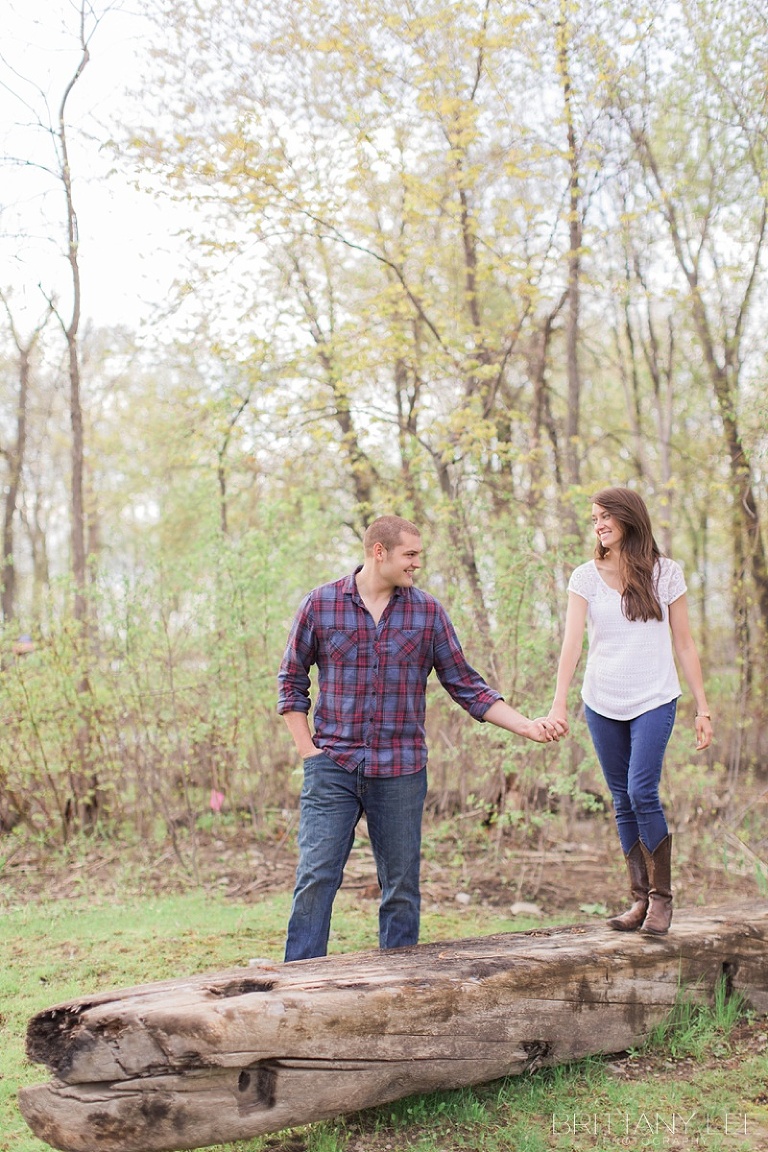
{"x": 387, "y": 531}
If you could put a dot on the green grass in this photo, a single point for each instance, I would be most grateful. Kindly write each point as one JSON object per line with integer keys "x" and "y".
{"x": 693, "y": 1029}
{"x": 53, "y": 952}
{"x": 50, "y": 952}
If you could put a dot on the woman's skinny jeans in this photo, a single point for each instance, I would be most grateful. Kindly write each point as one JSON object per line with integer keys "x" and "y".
{"x": 631, "y": 753}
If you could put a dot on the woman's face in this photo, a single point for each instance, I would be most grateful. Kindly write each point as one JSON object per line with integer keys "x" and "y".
{"x": 607, "y": 528}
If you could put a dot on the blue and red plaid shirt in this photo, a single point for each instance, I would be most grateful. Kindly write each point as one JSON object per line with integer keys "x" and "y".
{"x": 372, "y": 679}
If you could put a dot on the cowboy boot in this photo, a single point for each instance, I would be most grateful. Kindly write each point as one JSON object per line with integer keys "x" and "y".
{"x": 658, "y": 863}
{"x": 631, "y": 920}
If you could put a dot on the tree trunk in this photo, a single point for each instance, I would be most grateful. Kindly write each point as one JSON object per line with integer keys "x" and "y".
{"x": 15, "y": 464}
{"x": 15, "y": 456}
{"x": 71, "y": 334}
{"x": 211, "y": 1059}
{"x": 84, "y": 803}
{"x": 575, "y": 237}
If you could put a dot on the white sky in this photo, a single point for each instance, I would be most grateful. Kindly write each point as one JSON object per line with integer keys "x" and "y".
{"x": 128, "y": 254}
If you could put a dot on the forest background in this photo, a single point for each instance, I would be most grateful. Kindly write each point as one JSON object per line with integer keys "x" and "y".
{"x": 464, "y": 261}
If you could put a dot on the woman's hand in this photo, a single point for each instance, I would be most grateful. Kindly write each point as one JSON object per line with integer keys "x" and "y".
{"x": 545, "y": 729}
{"x": 558, "y": 716}
{"x": 556, "y": 721}
{"x": 704, "y": 732}
{"x": 685, "y": 650}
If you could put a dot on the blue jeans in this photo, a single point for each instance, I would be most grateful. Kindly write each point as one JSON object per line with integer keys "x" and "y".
{"x": 332, "y": 802}
{"x": 631, "y": 753}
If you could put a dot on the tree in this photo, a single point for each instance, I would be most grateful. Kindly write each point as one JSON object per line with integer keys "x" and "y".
{"x": 700, "y": 147}
{"x": 71, "y": 326}
{"x": 14, "y": 454}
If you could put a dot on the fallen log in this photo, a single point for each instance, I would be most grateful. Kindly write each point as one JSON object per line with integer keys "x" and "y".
{"x": 217, "y": 1058}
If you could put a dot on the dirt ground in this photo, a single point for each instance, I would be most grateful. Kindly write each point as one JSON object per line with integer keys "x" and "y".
{"x": 565, "y": 872}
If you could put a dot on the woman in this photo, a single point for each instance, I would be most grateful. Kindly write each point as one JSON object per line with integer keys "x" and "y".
{"x": 633, "y": 601}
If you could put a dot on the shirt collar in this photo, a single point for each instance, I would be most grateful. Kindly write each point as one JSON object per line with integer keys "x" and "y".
{"x": 350, "y": 585}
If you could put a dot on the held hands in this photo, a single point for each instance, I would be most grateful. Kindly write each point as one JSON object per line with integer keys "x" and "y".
{"x": 555, "y": 723}
{"x": 545, "y": 729}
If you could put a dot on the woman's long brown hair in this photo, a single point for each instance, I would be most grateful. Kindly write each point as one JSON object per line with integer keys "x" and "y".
{"x": 638, "y": 555}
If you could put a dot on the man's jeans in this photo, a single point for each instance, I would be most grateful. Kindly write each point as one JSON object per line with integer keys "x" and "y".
{"x": 631, "y": 753}
{"x": 332, "y": 802}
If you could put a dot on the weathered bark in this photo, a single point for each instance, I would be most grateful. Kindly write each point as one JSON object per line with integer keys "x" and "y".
{"x": 237, "y": 1054}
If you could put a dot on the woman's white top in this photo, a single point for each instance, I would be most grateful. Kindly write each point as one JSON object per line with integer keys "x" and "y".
{"x": 630, "y": 665}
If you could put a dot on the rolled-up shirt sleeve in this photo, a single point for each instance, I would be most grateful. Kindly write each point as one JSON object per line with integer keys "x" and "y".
{"x": 299, "y": 656}
{"x": 460, "y": 680}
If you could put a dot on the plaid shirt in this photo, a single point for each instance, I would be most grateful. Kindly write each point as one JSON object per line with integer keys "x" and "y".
{"x": 372, "y": 679}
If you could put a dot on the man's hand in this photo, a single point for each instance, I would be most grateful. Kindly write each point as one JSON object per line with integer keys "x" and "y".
{"x": 545, "y": 729}
{"x": 298, "y": 726}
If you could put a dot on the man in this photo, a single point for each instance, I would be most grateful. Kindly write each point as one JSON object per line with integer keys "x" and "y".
{"x": 374, "y": 638}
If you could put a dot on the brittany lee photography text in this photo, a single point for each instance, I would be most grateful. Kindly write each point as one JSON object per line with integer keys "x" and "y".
{"x": 628, "y": 1125}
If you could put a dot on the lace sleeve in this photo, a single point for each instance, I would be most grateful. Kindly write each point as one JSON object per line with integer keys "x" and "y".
{"x": 582, "y": 581}
{"x": 672, "y": 583}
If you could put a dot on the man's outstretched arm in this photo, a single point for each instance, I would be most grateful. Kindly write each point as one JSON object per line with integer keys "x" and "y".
{"x": 543, "y": 730}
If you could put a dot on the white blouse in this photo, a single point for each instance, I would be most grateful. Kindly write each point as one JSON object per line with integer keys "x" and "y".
{"x": 630, "y": 665}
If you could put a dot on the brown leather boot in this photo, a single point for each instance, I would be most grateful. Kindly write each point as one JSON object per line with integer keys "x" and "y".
{"x": 631, "y": 920}
{"x": 659, "y": 865}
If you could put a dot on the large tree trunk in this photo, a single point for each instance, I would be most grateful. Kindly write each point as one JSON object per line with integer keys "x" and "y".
{"x": 210, "y": 1059}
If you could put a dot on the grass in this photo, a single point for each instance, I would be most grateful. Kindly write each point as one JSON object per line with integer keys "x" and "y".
{"x": 52, "y": 952}
{"x": 694, "y": 1029}
{"x": 688, "y": 1088}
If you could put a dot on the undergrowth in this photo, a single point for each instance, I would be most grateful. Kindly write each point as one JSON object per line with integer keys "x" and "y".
{"x": 695, "y": 1028}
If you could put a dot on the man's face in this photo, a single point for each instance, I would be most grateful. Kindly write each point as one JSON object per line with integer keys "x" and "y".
{"x": 402, "y": 562}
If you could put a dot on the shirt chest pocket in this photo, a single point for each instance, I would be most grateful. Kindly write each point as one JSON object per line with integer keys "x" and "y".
{"x": 405, "y": 645}
{"x": 342, "y": 646}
